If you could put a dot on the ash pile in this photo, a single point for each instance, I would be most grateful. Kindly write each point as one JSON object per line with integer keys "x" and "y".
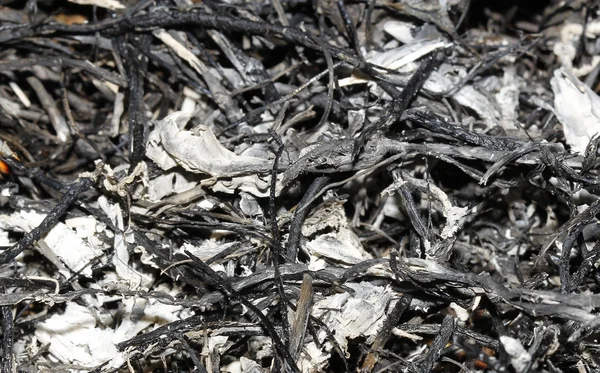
{"x": 299, "y": 186}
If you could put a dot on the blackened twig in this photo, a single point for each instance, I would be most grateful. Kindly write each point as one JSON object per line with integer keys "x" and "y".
{"x": 567, "y": 246}
{"x": 67, "y": 62}
{"x": 439, "y": 343}
{"x": 417, "y": 80}
{"x": 589, "y": 259}
{"x": 58, "y": 121}
{"x": 136, "y": 65}
{"x": 49, "y": 221}
{"x": 293, "y": 242}
{"x": 176, "y": 17}
{"x": 350, "y": 27}
{"x": 211, "y": 277}
{"x": 411, "y": 208}
{"x": 435, "y": 124}
{"x": 302, "y": 316}
{"x": 193, "y": 355}
{"x": 402, "y": 100}
{"x": 7, "y": 339}
{"x": 330, "y": 69}
{"x": 585, "y": 216}
{"x": 277, "y": 235}
{"x": 510, "y": 157}
{"x": 386, "y": 331}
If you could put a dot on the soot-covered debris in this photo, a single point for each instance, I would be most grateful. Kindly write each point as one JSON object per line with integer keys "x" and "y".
{"x": 300, "y": 186}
